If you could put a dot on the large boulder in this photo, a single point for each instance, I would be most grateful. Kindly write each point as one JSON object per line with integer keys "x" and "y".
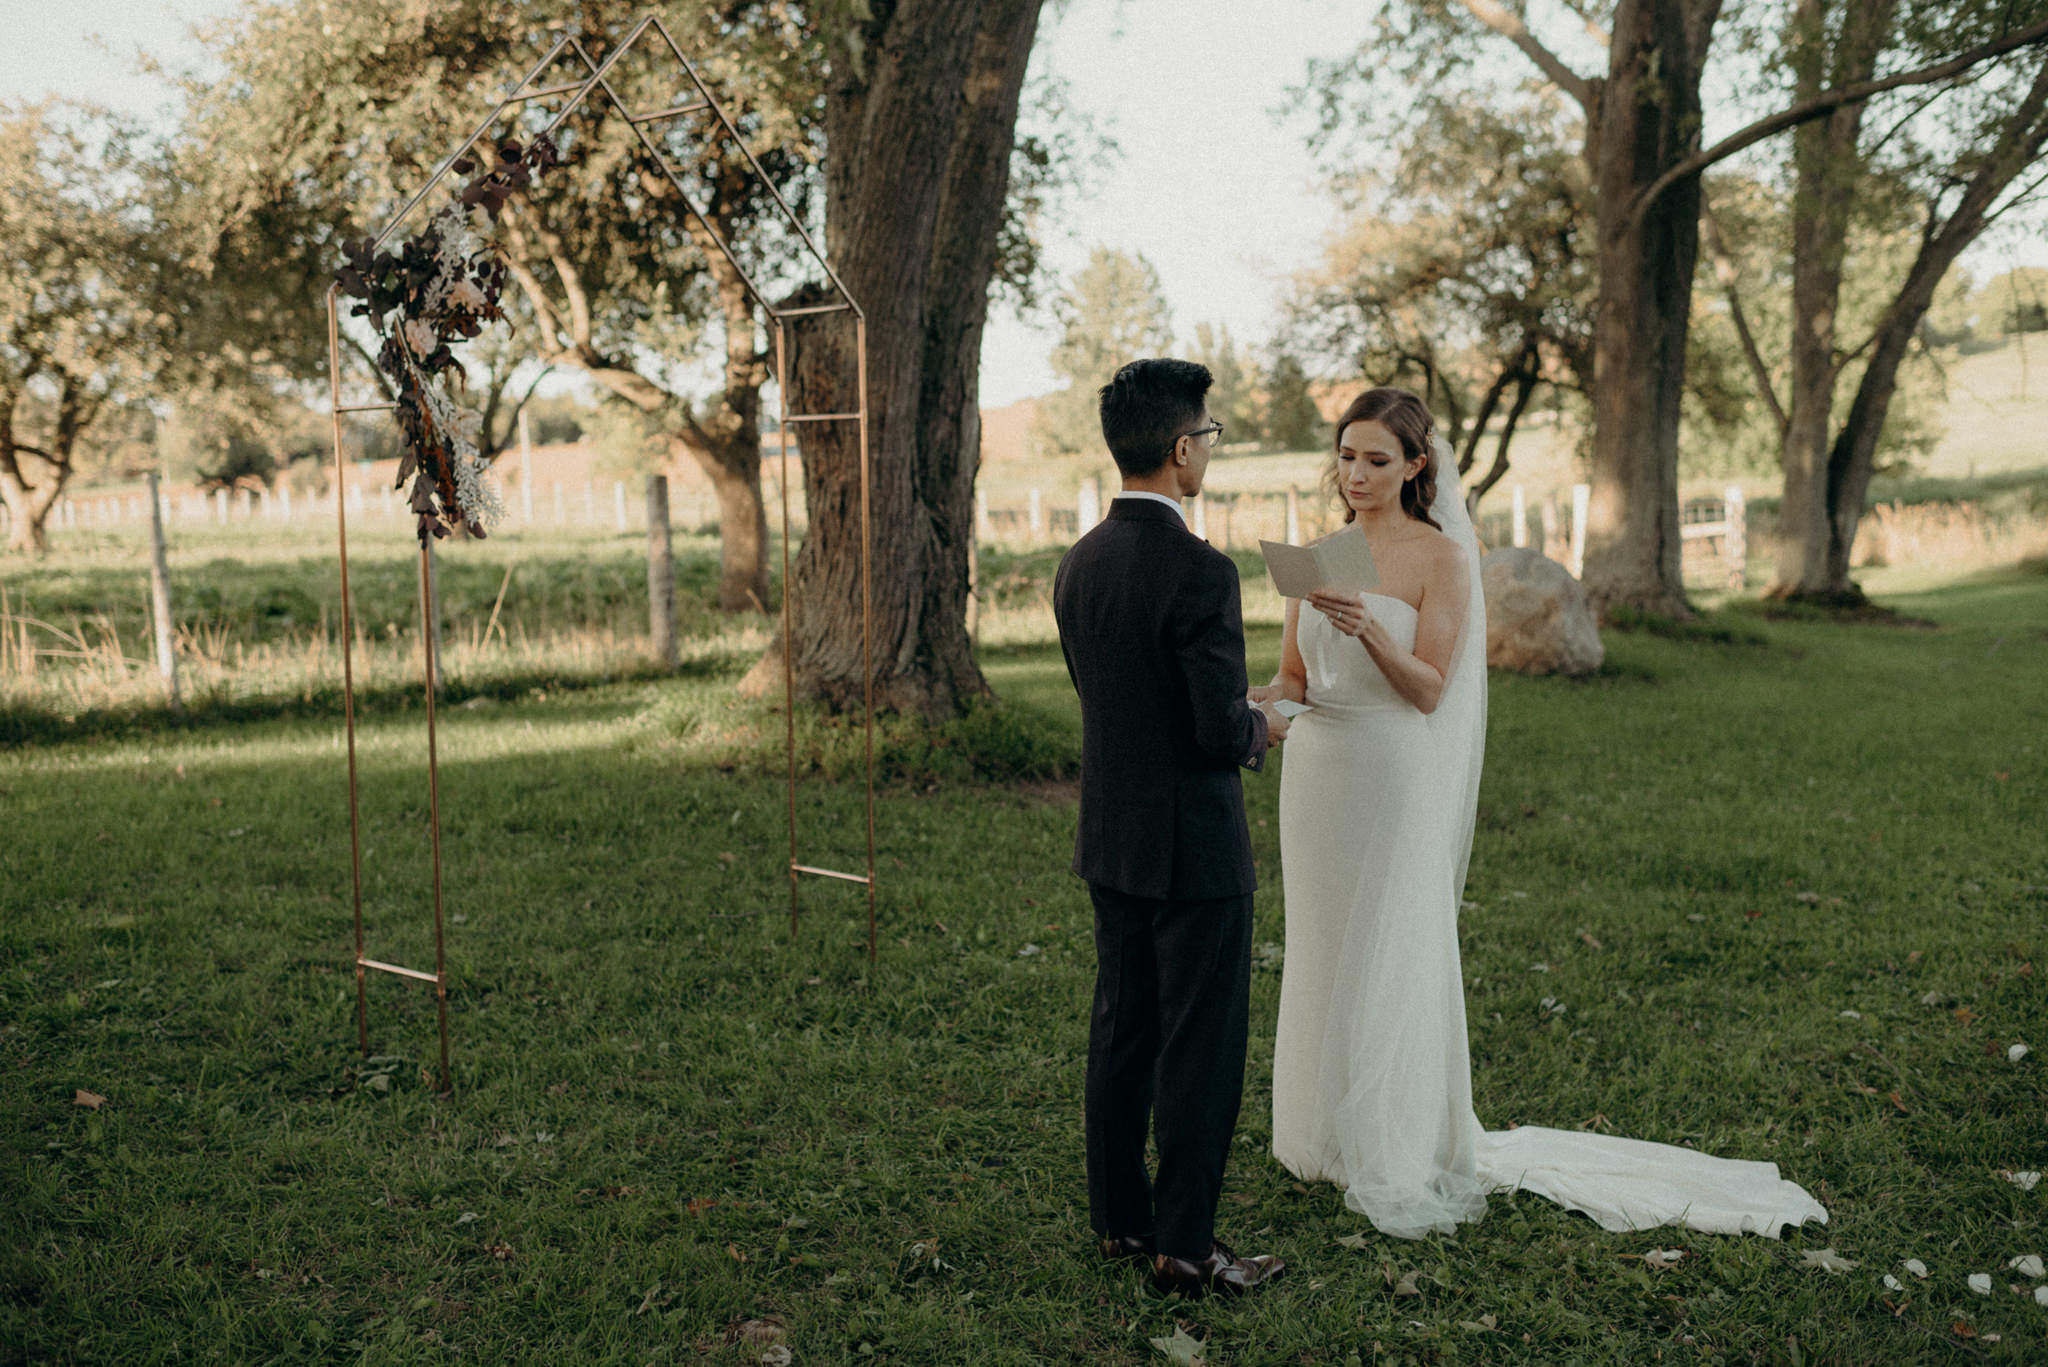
{"x": 1537, "y": 618}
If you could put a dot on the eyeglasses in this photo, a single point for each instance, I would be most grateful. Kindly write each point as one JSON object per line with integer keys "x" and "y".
{"x": 1210, "y": 434}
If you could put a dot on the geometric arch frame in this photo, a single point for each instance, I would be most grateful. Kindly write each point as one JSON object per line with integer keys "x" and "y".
{"x": 578, "y": 91}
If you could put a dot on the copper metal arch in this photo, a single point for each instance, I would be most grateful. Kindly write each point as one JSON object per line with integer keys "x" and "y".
{"x": 578, "y": 92}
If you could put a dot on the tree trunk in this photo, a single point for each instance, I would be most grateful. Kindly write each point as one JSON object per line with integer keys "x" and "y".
{"x": 1648, "y": 120}
{"x": 920, "y": 116}
{"x": 1827, "y": 168}
{"x": 28, "y": 510}
{"x": 28, "y": 505}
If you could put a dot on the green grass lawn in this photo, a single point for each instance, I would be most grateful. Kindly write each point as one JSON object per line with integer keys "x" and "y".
{"x": 1786, "y": 879}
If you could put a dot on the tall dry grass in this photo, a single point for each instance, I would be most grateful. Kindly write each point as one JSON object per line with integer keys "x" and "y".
{"x": 1946, "y": 536}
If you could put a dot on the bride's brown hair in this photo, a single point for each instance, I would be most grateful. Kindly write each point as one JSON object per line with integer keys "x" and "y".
{"x": 1407, "y": 417}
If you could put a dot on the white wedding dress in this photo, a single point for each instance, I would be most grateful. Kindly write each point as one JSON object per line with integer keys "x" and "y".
{"x": 1372, "y": 1078}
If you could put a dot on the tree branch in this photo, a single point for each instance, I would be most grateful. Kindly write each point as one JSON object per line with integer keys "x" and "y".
{"x": 1510, "y": 26}
{"x": 1823, "y": 104}
{"x": 1725, "y": 272}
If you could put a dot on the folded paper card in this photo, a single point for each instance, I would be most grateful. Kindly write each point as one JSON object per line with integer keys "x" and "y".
{"x": 1291, "y": 709}
{"x": 1340, "y": 562}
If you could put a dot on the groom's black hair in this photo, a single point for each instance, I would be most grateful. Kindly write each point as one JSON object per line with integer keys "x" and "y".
{"x": 1147, "y": 406}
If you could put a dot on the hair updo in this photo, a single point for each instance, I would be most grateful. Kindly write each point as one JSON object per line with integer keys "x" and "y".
{"x": 1404, "y": 415}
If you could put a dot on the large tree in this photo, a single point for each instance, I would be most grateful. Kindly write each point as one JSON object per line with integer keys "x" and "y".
{"x": 85, "y": 321}
{"x": 330, "y": 116}
{"x": 1644, "y": 120}
{"x": 1959, "y": 166}
{"x": 1462, "y": 267}
{"x": 920, "y": 123}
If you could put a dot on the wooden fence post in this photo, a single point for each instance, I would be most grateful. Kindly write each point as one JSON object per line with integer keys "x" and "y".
{"x": 1582, "y": 497}
{"x": 661, "y": 573}
{"x": 525, "y": 470}
{"x": 160, "y": 597}
{"x": 1737, "y": 515}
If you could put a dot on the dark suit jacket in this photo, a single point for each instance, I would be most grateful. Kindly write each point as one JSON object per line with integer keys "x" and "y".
{"x": 1153, "y": 633}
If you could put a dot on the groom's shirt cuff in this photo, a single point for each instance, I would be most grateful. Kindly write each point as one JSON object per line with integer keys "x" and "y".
{"x": 1256, "y": 760}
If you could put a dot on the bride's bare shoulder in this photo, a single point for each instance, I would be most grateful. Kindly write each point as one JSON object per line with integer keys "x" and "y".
{"x": 1443, "y": 562}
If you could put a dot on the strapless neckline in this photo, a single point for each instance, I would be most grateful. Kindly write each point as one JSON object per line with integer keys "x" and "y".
{"x": 1389, "y": 598}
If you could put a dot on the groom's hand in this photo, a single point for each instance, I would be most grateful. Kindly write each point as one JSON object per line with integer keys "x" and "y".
{"x": 1276, "y": 725}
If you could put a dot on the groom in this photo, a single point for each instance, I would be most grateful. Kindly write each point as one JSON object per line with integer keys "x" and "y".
{"x": 1152, "y": 631}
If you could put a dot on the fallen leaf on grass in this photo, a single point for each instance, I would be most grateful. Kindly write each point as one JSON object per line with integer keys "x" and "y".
{"x": 2028, "y": 1265}
{"x": 1964, "y": 1015}
{"x": 1980, "y": 1282}
{"x": 1663, "y": 1257}
{"x": 777, "y": 1356}
{"x": 1916, "y": 1267}
{"x": 653, "y": 1300}
{"x": 1406, "y": 1286}
{"x": 1352, "y": 1240}
{"x": 1962, "y": 1330}
{"x": 2041, "y": 1295}
{"x": 1483, "y": 1325}
{"x": 755, "y": 1331}
{"x": 698, "y": 1205}
{"x": 502, "y": 1252}
{"x": 468, "y": 1217}
{"x": 1029, "y": 952}
{"x": 92, "y": 1101}
{"x": 1825, "y": 1259}
{"x": 1180, "y": 1348}
{"x": 2023, "y": 1180}
{"x": 1892, "y": 1283}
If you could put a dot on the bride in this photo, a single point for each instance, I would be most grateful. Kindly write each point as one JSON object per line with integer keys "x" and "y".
{"x": 1372, "y": 1080}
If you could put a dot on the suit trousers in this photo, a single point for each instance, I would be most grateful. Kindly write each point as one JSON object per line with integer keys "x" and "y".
{"x": 1166, "y": 1051}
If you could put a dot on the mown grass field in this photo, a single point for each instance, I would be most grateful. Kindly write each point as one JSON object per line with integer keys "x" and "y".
{"x": 1786, "y": 878}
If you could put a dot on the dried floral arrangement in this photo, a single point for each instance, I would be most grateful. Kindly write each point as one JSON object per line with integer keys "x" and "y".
{"x": 441, "y": 287}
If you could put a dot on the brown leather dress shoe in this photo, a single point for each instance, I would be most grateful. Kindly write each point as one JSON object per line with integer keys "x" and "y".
{"x": 1126, "y": 1248}
{"x": 1222, "y": 1272}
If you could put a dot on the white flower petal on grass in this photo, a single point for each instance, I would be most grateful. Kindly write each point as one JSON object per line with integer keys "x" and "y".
{"x": 2041, "y": 1295}
{"x": 2025, "y": 1181}
{"x": 1931, "y": 999}
{"x": 1663, "y": 1257}
{"x": 2028, "y": 1265}
{"x": 1825, "y": 1259}
{"x": 1852, "y": 1015}
{"x": 1892, "y": 1283}
{"x": 2016, "y": 1053}
{"x": 1916, "y": 1267}
{"x": 1029, "y": 952}
{"x": 1980, "y": 1282}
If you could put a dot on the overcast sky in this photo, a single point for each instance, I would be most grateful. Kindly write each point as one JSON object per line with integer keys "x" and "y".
{"x": 1219, "y": 194}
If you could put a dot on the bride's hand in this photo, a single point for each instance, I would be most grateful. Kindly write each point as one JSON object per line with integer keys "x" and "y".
{"x": 1347, "y": 612}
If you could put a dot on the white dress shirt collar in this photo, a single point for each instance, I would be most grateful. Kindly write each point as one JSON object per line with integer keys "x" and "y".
{"x": 1172, "y": 503}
